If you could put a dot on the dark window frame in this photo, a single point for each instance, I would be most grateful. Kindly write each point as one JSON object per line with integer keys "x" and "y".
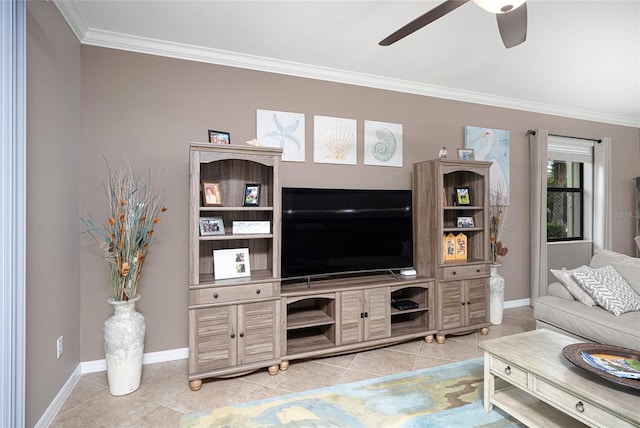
{"x": 571, "y": 190}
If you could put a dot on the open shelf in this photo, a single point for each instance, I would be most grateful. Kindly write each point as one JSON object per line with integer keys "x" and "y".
{"x": 310, "y": 339}
{"x": 308, "y": 318}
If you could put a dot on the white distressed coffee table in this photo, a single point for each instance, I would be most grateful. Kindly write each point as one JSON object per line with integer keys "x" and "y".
{"x": 527, "y": 376}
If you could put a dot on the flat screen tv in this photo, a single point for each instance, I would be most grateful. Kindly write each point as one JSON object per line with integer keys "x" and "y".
{"x": 345, "y": 231}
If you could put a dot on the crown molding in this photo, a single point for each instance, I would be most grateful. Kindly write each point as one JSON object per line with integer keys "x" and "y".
{"x": 113, "y": 40}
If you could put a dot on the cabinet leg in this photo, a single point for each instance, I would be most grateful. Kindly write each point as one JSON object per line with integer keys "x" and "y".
{"x": 429, "y": 339}
{"x": 484, "y": 331}
{"x": 273, "y": 370}
{"x": 284, "y": 365}
{"x": 440, "y": 338}
{"x": 195, "y": 385}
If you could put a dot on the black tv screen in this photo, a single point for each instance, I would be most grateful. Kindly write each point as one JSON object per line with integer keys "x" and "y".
{"x": 340, "y": 231}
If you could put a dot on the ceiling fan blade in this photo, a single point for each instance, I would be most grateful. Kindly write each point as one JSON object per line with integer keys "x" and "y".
{"x": 513, "y": 26}
{"x": 435, "y": 13}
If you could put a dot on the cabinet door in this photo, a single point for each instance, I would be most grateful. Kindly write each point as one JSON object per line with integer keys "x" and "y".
{"x": 257, "y": 330}
{"x": 351, "y": 317}
{"x": 477, "y": 300}
{"x": 452, "y": 310}
{"x": 377, "y": 322}
{"x": 213, "y": 338}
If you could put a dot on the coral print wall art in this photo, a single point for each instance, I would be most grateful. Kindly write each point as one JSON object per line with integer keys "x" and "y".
{"x": 492, "y": 145}
{"x": 382, "y": 143}
{"x": 282, "y": 129}
{"x": 334, "y": 140}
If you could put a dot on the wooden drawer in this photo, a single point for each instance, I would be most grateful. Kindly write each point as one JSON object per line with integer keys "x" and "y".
{"x": 464, "y": 272}
{"x": 213, "y": 295}
{"x": 577, "y": 407}
{"x": 512, "y": 373}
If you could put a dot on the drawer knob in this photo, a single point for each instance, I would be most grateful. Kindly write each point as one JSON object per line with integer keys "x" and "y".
{"x": 215, "y": 295}
{"x": 507, "y": 370}
{"x": 258, "y": 291}
{"x": 580, "y": 406}
{"x": 478, "y": 270}
{"x": 241, "y": 334}
{"x": 233, "y": 336}
{"x": 454, "y": 272}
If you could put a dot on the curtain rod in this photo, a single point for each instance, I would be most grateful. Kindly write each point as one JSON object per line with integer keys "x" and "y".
{"x": 597, "y": 140}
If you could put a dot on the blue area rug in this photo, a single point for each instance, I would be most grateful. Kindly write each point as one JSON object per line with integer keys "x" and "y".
{"x": 445, "y": 396}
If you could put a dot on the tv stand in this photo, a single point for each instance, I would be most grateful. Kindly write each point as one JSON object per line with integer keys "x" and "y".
{"x": 341, "y": 315}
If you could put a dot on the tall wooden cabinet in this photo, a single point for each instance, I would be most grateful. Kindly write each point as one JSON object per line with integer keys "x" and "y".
{"x": 462, "y": 283}
{"x": 234, "y": 324}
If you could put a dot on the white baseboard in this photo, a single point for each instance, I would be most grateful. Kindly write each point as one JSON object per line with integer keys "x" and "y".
{"x": 148, "y": 358}
{"x": 56, "y": 404}
{"x": 100, "y": 366}
{"x": 517, "y": 303}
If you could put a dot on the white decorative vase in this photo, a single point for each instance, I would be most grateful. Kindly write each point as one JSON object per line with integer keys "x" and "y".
{"x": 124, "y": 346}
{"x": 496, "y": 295}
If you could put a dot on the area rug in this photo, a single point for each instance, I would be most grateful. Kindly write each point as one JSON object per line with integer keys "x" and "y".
{"x": 445, "y": 396}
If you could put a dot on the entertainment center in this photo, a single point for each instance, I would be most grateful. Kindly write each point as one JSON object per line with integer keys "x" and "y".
{"x": 262, "y": 318}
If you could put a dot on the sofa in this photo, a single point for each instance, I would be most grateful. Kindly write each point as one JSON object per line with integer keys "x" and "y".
{"x": 579, "y": 303}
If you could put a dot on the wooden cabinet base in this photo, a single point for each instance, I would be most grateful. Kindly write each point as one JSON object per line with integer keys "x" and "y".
{"x": 441, "y": 337}
{"x": 273, "y": 370}
{"x": 195, "y": 385}
{"x": 284, "y": 365}
{"x": 429, "y": 338}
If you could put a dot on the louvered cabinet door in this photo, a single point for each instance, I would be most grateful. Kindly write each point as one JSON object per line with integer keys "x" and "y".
{"x": 377, "y": 322}
{"x": 351, "y": 317}
{"x": 477, "y": 300}
{"x": 213, "y": 345}
{"x": 451, "y": 308}
{"x": 257, "y": 330}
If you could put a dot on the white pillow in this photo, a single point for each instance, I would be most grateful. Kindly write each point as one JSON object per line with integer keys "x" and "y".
{"x": 627, "y": 266}
{"x": 609, "y": 289}
{"x": 566, "y": 278}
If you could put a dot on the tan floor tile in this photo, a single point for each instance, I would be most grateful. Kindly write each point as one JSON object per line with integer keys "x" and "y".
{"x": 452, "y": 350}
{"x": 157, "y": 418}
{"x": 214, "y": 393}
{"x": 302, "y": 376}
{"x": 355, "y": 376}
{"x": 383, "y": 362}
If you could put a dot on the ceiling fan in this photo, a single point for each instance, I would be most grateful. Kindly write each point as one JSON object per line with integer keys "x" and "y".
{"x": 511, "y": 15}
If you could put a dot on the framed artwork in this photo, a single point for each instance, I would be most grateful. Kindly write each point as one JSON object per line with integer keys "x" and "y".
{"x": 282, "y": 129}
{"x": 461, "y": 246}
{"x": 211, "y": 226}
{"x": 219, "y": 137}
{"x": 251, "y": 195}
{"x": 382, "y": 143}
{"x": 466, "y": 154}
{"x": 462, "y": 196}
{"x": 232, "y": 263}
{"x": 211, "y": 194}
{"x": 335, "y": 140}
{"x": 465, "y": 222}
{"x": 492, "y": 145}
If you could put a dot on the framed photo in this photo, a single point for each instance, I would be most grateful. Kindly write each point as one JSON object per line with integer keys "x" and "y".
{"x": 466, "y": 154}
{"x": 219, "y": 137}
{"x": 251, "y": 195}
{"x": 462, "y": 196}
{"x": 465, "y": 222}
{"x": 448, "y": 247}
{"x": 211, "y": 194}
{"x": 461, "y": 246}
{"x": 211, "y": 226}
{"x": 232, "y": 263}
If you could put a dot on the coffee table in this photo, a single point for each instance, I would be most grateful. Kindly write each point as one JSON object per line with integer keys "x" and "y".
{"x": 527, "y": 376}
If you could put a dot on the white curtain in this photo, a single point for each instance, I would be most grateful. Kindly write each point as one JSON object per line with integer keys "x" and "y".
{"x": 602, "y": 226}
{"x": 538, "y": 160}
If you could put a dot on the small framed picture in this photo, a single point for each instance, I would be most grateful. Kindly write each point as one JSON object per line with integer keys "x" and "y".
{"x": 251, "y": 195}
{"x": 465, "y": 222}
{"x": 219, "y": 137}
{"x": 211, "y": 226}
{"x": 211, "y": 194}
{"x": 466, "y": 154}
{"x": 232, "y": 263}
{"x": 462, "y": 196}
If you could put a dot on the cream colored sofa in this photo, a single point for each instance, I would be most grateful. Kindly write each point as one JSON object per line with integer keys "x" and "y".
{"x": 560, "y": 311}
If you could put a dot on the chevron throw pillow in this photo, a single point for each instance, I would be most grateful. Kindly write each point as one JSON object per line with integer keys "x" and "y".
{"x": 609, "y": 289}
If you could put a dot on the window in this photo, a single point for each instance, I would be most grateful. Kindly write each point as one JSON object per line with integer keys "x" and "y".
{"x": 569, "y": 189}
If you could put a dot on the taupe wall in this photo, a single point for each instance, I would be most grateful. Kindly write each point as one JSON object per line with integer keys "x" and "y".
{"x": 148, "y": 109}
{"x": 53, "y": 201}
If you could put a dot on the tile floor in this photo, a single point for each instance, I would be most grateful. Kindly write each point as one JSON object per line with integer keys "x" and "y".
{"x": 164, "y": 393}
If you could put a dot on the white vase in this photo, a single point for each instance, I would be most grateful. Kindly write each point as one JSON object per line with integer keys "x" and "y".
{"x": 496, "y": 295}
{"x": 124, "y": 346}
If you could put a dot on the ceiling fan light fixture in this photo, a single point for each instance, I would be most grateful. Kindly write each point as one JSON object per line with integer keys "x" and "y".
{"x": 499, "y": 6}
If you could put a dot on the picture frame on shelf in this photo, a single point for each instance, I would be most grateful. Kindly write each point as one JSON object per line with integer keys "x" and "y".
{"x": 251, "y": 196}
{"x": 461, "y": 246}
{"x": 466, "y": 154}
{"x": 211, "y": 226}
{"x": 231, "y": 263}
{"x": 251, "y": 227}
{"x": 462, "y": 196}
{"x": 448, "y": 247}
{"x": 211, "y": 194}
{"x": 219, "y": 137}
{"x": 465, "y": 222}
